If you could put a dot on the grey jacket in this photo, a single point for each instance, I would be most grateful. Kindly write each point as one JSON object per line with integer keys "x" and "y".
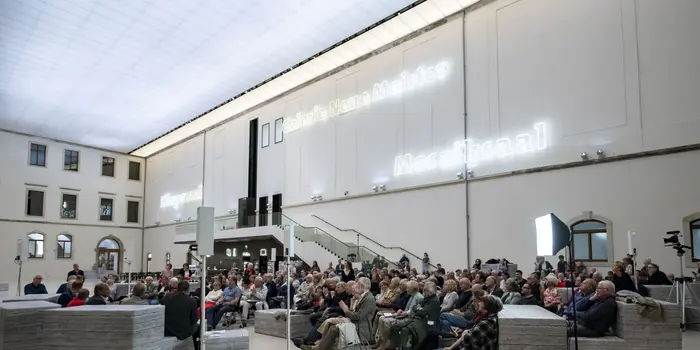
{"x": 363, "y": 315}
{"x": 134, "y": 300}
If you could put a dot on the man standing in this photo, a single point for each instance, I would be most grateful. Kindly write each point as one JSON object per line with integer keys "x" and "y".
{"x": 229, "y": 302}
{"x": 36, "y": 287}
{"x": 76, "y": 271}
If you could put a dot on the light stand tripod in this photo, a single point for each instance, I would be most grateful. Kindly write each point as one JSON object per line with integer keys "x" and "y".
{"x": 572, "y": 279}
{"x": 679, "y": 282}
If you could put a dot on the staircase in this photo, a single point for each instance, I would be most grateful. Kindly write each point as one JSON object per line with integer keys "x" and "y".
{"x": 389, "y": 253}
{"x": 315, "y": 242}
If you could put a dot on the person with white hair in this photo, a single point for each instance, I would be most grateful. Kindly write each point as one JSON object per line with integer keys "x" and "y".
{"x": 424, "y": 321}
{"x": 597, "y": 315}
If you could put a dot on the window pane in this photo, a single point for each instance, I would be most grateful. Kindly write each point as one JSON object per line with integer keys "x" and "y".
{"x": 106, "y": 208}
{"x": 132, "y": 214}
{"x": 67, "y": 246}
{"x": 69, "y": 206}
{"x": 107, "y": 166}
{"x": 279, "y": 134}
{"x": 599, "y": 246}
{"x": 265, "y": 139}
{"x": 35, "y": 203}
{"x": 41, "y": 159}
{"x": 581, "y": 247}
{"x": 696, "y": 243}
{"x": 70, "y": 160}
{"x": 588, "y": 226}
{"x": 39, "y": 249}
{"x": 134, "y": 171}
{"x": 64, "y": 238}
{"x": 36, "y": 236}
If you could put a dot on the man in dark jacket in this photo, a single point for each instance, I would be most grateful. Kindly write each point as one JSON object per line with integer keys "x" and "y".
{"x": 271, "y": 291}
{"x": 527, "y": 297}
{"x": 465, "y": 293}
{"x": 71, "y": 292}
{"x": 597, "y": 315}
{"x": 101, "y": 295}
{"x": 76, "y": 271}
{"x": 181, "y": 314}
{"x": 657, "y": 277}
{"x": 424, "y": 320}
{"x": 36, "y": 287}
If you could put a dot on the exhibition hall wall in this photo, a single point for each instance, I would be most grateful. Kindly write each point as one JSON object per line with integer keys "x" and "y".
{"x": 74, "y": 210}
{"x": 507, "y": 89}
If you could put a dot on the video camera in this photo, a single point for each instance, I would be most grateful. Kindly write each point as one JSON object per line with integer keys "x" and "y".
{"x": 674, "y": 242}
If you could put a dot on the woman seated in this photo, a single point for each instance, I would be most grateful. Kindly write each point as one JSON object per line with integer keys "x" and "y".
{"x": 450, "y": 296}
{"x": 512, "y": 295}
{"x": 212, "y": 297}
{"x": 551, "y": 294}
{"x": 484, "y": 334}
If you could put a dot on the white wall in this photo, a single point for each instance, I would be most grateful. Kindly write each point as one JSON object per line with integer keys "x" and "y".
{"x": 621, "y": 76}
{"x": 17, "y": 176}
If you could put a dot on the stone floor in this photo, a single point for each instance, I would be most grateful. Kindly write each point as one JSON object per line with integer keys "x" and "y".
{"x": 691, "y": 341}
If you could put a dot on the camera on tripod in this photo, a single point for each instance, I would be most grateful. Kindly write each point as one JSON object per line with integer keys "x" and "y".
{"x": 675, "y": 243}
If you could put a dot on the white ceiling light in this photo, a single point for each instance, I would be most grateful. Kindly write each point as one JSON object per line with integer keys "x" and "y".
{"x": 413, "y": 19}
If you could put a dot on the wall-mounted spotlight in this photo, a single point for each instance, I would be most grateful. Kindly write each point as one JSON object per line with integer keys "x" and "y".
{"x": 269, "y": 206}
{"x": 157, "y": 223}
{"x": 178, "y": 220}
{"x": 382, "y": 187}
{"x": 584, "y": 156}
{"x": 375, "y": 188}
{"x": 460, "y": 176}
{"x": 189, "y": 218}
{"x": 346, "y": 193}
{"x": 470, "y": 173}
{"x": 319, "y": 198}
{"x": 314, "y": 198}
{"x": 231, "y": 211}
{"x": 600, "y": 153}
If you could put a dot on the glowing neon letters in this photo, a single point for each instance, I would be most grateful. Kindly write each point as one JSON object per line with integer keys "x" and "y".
{"x": 169, "y": 200}
{"x": 471, "y": 152}
{"x": 406, "y": 81}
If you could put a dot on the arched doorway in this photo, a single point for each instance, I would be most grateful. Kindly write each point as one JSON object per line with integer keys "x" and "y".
{"x": 109, "y": 255}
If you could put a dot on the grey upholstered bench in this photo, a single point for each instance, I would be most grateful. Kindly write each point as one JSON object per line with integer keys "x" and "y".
{"x": 604, "y": 343}
{"x": 525, "y": 327}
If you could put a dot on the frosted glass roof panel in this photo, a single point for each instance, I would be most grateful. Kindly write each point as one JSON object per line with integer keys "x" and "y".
{"x": 119, "y": 74}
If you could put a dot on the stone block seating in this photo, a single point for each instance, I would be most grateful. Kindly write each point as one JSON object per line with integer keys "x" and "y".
{"x": 110, "y": 326}
{"x": 21, "y": 324}
{"x": 634, "y": 331}
{"x": 268, "y": 322}
{"x": 692, "y": 302}
{"x": 234, "y": 339}
{"x": 53, "y": 298}
{"x": 529, "y": 327}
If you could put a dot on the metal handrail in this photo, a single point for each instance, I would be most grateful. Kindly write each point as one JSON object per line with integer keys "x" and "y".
{"x": 336, "y": 239}
{"x": 370, "y": 239}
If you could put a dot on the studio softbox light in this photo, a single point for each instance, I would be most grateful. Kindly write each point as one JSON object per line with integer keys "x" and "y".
{"x": 552, "y": 235}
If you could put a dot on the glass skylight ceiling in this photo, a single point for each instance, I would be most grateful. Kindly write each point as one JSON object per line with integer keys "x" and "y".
{"x": 117, "y": 74}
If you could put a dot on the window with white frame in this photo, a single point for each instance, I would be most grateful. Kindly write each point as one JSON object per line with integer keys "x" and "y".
{"x": 279, "y": 131}
{"x": 590, "y": 240}
{"x": 36, "y": 245}
{"x": 64, "y": 246}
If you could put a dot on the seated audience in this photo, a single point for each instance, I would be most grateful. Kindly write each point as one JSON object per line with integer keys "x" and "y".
{"x": 181, "y": 314}
{"x": 621, "y": 279}
{"x": 533, "y": 281}
{"x": 527, "y": 298}
{"x": 465, "y": 293}
{"x": 64, "y": 287}
{"x": 272, "y": 292}
{"x": 551, "y": 298}
{"x": 491, "y": 287}
{"x": 360, "y": 313}
{"x": 597, "y": 315}
{"x": 385, "y": 322}
{"x": 512, "y": 294}
{"x": 464, "y": 317}
{"x": 137, "y": 296}
{"x": 227, "y": 303}
{"x": 450, "y": 296}
{"x": 657, "y": 277}
{"x": 212, "y": 297}
{"x": 100, "y": 296}
{"x": 79, "y": 299}
{"x": 151, "y": 289}
{"x": 424, "y": 321}
{"x": 348, "y": 273}
{"x": 256, "y": 296}
{"x": 36, "y": 287}
{"x": 73, "y": 288}
{"x": 519, "y": 278}
{"x": 484, "y": 334}
{"x": 561, "y": 281}
{"x": 584, "y": 291}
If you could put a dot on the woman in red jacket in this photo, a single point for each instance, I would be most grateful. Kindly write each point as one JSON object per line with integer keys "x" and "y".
{"x": 79, "y": 299}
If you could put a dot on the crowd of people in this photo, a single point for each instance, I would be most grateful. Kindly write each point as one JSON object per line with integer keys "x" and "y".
{"x": 384, "y": 307}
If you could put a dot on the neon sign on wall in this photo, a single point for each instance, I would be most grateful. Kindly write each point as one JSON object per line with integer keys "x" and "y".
{"x": 407, "y": 81}
{"x": 471, "y": 152}
{"x": 175, "y": 200}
